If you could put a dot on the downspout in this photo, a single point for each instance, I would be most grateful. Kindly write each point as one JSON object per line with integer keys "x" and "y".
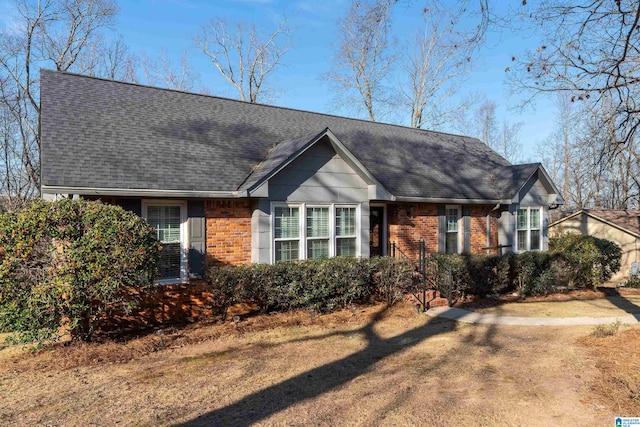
{"x": 495, "y": 208}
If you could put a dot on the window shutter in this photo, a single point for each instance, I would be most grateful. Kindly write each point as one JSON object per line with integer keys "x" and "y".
{"x": 442, "y": 229}
{"x": 197, "y": 239}
{"x": 466, "y": 223}
{"x": 131, "y": 205}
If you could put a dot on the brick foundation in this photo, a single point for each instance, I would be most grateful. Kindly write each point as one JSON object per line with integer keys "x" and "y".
{"x": 163, "y": 305}
{"x": 228, "y": 231}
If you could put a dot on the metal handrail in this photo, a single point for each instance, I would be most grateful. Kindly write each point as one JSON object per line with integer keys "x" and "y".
{"x": 420, "y": 267}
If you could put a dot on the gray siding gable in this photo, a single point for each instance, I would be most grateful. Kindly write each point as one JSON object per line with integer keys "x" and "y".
{"x": 319, "y": 175}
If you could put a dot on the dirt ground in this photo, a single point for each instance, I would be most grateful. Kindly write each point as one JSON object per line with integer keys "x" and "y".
{"x": 365, "y": 366}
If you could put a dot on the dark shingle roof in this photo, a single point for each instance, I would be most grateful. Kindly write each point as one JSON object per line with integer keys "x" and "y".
{"x": 104, "y": 134}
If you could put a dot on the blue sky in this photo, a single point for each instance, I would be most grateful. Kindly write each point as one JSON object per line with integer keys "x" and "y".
{"x": 152, "y": 25}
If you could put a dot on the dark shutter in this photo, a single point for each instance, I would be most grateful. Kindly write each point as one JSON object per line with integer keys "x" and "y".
{"x": 197, "y": 239}
{"x": 442, "y": 229}
{"x": 466, "y": 223}
{"x": 131, "y": 205}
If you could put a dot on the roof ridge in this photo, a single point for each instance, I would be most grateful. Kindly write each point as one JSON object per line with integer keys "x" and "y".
{"x": 104, "y": 79}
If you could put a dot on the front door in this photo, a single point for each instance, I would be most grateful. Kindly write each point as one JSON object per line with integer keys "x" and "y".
{"x": 376, "y": 228}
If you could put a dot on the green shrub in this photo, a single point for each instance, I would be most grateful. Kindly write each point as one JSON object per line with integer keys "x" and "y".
{"x": 450, "y": 274}
{"x": 321, "y": 285}
{"x": 632, "y": 282}
{"x": 68, "y": 264}
{"x": 595, "y": 260}
{"x": 540, "y": 273}
{"x": 392, "y": 278}
{"x": 226, "y": 284}
{"x": 489, "y": 274}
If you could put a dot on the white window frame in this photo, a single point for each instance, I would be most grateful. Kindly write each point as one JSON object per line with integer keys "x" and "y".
{"x": 302, "y": 235}
{"x": 184, "y": 237}
{"x": 459, "y": 221}
{"x": 528, "y": 228}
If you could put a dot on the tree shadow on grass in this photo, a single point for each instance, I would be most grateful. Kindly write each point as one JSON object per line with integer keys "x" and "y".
{"x": 315, "y": 382}
{"x": 616, "y": 298}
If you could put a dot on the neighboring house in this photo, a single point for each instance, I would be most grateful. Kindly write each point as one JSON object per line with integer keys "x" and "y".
{"x": 619, "y": 226}
{"x": 225, "y": 181}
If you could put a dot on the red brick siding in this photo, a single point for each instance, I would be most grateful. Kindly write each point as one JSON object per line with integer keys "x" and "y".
{"x": 478, "y": 229}
{"x": 228, "y": 231}
{"x": 408, "y": 230}
{"x": 163, "y": 305}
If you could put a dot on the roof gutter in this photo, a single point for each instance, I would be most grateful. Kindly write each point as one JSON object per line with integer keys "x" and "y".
{"x": 141, "y": 192}
{"x": 441, "y": 200}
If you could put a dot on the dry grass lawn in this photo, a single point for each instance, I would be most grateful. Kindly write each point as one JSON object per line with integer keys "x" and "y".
{"x": 576, "y": 304}
{"x": 362, "y": 367}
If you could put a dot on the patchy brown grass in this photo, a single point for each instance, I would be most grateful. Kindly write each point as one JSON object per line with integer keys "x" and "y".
{"x": 364, "y": 366}
{"x": 570, "y": 304}
{"x": 617, "y": 359}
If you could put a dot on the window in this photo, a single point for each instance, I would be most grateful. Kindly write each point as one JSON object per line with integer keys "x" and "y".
{"x": 318, "y": 233}
{"x": 528, "y": 229}
{"x": 314, "y": 231}
{"x": 287, "y": 233}
{"x": 169, "y": 221}
{"x": 452, "y": 240}
{"x": 346, "y": 232}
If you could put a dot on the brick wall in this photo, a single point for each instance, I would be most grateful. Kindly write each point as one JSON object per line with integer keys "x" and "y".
{"x": 479, "y": 229}
{"x": 162, "y": 305}
{"x": 228, "y": 231}
{"x": 409, "y": 223}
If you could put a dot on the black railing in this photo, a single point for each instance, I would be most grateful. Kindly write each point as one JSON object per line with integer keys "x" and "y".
{"x": 421, "y": 267}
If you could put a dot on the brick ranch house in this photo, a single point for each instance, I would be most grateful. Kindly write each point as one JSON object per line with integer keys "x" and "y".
{"x": 229, "y": 182}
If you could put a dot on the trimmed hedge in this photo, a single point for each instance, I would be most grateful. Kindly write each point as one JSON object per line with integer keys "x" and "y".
{"x": 329, "y": 284}
{"x": 66, "y": 264}
{"x": 574, "y": 261}
{"x": 321, "y": 285}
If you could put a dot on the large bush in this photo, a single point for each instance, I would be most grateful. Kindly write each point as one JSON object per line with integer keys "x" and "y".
{"x": 540, "y": 273}
{"x": 321, "y": 285}
{"x": 596, "y": 260}
{"x": 574, "y": 261}
{"x": 66, "y": 264}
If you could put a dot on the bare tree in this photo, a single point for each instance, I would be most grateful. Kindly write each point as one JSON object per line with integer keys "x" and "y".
{"x": 244, "y": 56}
{"x": 486, "y": 123}
{"x": 590, "y": 51}
{"x": 437, "y": 64}
{"x": 502, "y": 137}
{"x": 549, "y": 153}
{"x": 508, "y": 144}
{"x": 47, "y": 33}
{"x": 163, "y": 73}
{"x": 598, "y": 173}
{"x": 109, "y": 59}
{"x": 364, "y": 57}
